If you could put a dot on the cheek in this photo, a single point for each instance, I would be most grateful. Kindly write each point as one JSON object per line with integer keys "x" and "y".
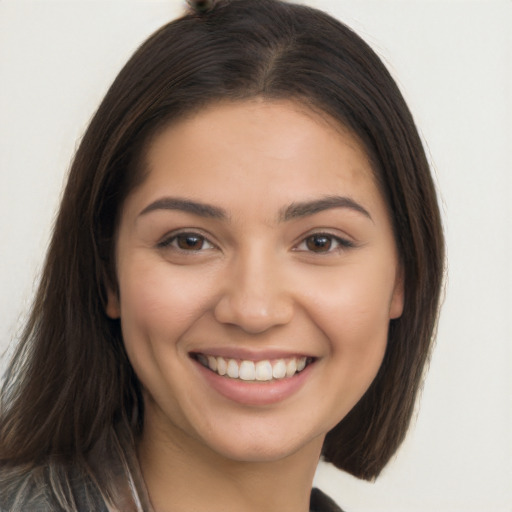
{"x": 355, "y": 323}
{"x": 355, "y": 301}
{"x": 352, "y": 309}
{"x": 159, "y": 303}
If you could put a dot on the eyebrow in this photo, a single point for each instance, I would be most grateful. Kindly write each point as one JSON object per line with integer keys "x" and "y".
{"x": 291, "y": 212}
{"x": 186, "y": 205}
{"x": 306, "y": 208}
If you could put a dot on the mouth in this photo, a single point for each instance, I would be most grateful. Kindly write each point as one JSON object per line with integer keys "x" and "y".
{"x": 266, "y": 370}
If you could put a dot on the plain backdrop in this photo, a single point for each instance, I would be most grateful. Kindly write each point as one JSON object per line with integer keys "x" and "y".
{"x": 453, "y": 62}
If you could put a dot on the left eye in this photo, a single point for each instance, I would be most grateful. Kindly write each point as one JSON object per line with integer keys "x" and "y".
{"x": 322, "y": 243}
{"x": 187, "y": 242}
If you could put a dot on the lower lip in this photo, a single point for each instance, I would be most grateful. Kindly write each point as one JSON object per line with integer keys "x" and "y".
{"x": 255, "y": 393}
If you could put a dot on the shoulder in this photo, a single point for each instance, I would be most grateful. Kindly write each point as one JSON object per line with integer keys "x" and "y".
{"x": 50, "y": 487}
{"x": 320, "y": 502}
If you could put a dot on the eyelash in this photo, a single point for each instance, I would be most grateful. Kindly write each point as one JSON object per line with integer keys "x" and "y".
{"x": 170, "y": 241}
{"x": 340, "y": 243}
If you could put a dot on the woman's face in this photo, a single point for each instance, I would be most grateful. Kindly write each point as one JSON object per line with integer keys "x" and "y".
{"x": 257, "y": 244}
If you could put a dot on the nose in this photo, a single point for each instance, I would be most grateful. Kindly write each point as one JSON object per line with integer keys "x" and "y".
{"x": 255, "y": 296}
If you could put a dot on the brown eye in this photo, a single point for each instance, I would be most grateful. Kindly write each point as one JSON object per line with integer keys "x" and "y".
{"x": 319, "y": 243}
{"x": 190, "y": 242}
{"x": 324, "y": 243}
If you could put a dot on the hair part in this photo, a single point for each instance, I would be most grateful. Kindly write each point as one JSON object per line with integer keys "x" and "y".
{"x": 226, "y": 50}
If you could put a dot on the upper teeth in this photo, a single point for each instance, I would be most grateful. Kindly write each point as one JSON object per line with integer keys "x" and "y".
{"x": 264, "y": 370}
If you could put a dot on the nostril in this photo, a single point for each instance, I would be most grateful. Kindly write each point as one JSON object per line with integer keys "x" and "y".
{"x": 253, "y": 314}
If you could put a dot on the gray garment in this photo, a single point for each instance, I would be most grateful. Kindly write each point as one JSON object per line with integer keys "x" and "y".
{"x": 108, "y": 480}
{"x": 35, "y": 501}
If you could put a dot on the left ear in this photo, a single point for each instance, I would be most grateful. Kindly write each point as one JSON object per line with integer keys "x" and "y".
{"x": 112, "y": 308}
{"x": 396, "y": 306}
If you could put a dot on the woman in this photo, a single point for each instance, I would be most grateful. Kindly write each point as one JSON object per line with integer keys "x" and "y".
{"x": 244, "y": 276}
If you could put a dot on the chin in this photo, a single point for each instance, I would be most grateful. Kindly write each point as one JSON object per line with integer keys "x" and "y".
{"x": 265, "y": 449}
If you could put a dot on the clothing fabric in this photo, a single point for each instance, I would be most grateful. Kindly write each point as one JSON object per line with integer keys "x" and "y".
{"x": 30, "y": 498}
{"x": 108, "y": 480}
{"x": 320, "y": 502}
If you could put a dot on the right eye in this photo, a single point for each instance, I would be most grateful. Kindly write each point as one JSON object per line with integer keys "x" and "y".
{"x": 188, "y": 242}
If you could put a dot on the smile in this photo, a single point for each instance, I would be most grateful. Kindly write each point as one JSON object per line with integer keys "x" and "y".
{"x": 261, "y": 371}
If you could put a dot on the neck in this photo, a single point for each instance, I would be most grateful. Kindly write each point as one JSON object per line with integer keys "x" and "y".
{"x": 183, "y": 475}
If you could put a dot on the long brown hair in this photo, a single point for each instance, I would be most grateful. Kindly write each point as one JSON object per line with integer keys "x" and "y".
{"x": 70, "y": 379}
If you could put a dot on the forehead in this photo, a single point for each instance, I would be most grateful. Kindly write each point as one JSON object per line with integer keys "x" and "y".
{"x": 251, "y": 147}
{"x": 279, "y": 130}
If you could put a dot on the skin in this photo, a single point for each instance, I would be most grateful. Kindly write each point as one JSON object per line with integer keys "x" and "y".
{"x": 253, "y": 281}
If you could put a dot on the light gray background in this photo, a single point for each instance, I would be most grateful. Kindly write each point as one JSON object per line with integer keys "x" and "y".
{"x": 453, "y": 61}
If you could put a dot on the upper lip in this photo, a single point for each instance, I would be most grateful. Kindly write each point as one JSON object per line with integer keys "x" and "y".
{"x": 250, "y": 354}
